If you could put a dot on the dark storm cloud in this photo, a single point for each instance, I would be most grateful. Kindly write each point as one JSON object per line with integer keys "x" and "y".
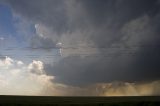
{"x": 112, "y": 15}
{"x": 41, "y": 43}
{"x": 50, "y": 12}
{"x": 124, "y": 33}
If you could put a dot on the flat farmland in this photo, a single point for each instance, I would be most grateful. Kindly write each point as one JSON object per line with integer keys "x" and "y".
{"x": 79, "y": 101}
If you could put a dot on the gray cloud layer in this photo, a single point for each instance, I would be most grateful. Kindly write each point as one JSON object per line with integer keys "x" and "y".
{"x": 124, "y": 35}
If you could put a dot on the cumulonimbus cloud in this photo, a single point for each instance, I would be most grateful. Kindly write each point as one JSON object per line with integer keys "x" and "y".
{"x": 102, "y": 41}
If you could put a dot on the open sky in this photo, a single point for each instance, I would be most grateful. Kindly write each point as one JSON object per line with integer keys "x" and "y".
{"x": 80, "y": 47}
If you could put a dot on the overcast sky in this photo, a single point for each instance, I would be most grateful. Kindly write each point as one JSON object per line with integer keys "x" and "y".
{"x": 74, "y": 47}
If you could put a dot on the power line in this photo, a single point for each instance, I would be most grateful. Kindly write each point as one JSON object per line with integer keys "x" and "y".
{"x": 123, "y": 51}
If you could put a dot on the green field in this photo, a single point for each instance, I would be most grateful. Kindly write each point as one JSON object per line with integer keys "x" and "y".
{"x": 79, "y": 101}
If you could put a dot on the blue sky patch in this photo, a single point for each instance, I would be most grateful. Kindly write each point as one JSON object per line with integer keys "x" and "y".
{"x": 6, "y": 21}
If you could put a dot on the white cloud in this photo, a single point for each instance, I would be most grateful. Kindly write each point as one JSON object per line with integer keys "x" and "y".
{"x": 20, "y": 63}
{"x": 17, "y": 78}
{"x": 1, "y": 38}
{"x": 38, "y": 31}
{"x": 6, "y": 63}
{"x": 36, "y": 67}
